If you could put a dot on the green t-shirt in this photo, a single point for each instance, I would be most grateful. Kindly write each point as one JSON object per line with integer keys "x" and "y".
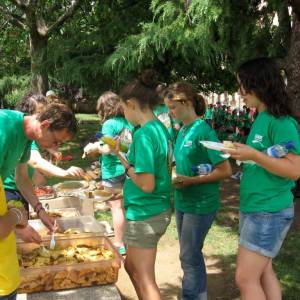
{"x": 261, "y": 190}
{"x": 150, "y": 152}
{"x": 201, "y": 198}
{"x": 219, "y": 116}
{"x": 14, "y": 145}
{"x": 110, "y": 164}
{"x": 10, "y": 183}
{"x": 222, "y": 135}
{"x": 208, "y": 113}
{"x": 162, "y": 113}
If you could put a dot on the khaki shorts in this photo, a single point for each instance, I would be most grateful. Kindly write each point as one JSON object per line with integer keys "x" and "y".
{"x": 146, "y": 233}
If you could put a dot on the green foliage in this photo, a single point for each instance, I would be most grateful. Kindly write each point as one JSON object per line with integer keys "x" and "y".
{"x": 89, "y": 39}
{"x": 107, "y": 42}
{"x": 13, "y": 88}
{"x": 202, "y": 43}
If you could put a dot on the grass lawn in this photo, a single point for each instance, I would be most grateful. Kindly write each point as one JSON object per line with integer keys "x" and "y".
{"x": 222, "y": 240}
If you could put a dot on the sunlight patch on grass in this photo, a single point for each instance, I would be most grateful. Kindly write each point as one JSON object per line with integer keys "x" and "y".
{"x": 87, "y": 117}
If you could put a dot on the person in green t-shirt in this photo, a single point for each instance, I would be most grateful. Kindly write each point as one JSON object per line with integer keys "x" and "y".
{"x": 38, "y": 167}
{"x": 209, "y": 112}
{"x": 147, "y": 188}
{"x": 163, "y": 114}
{"x": 266, "y": 200}
{"x": 49, "y": 128}
{"x": 112, "y": 171}
{"x": 197, "y": 197}
{"x": 219, "y": 115}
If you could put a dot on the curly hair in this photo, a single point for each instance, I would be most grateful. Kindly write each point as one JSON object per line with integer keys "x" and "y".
{"x": 108, "y": 106}
{"x": 262, "y": 77}
{"x": 184, "y": 92}
{"x": 60, "y": 117}
{"x": 31, "y": 103}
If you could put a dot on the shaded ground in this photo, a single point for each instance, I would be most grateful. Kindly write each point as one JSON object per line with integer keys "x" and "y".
{"x": 220, "y": 267}
{"x": 220, "y": 254}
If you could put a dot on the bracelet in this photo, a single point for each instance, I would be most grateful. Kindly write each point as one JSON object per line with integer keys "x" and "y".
{"x": 38, "y": 206}
{"x": 17, "y": 213}
{"x": 128, "y": 168}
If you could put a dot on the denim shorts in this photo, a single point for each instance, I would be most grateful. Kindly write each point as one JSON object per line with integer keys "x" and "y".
{"x": 146, "y": 233}
{"x": 12, "y": 296}
{"x": 264, "y": 232}
{"x": 114, "y": 182}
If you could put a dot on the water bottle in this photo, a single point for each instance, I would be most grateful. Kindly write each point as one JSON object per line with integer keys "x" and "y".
{"x": 202, "y": 169}
{"x": 280, "y": 150}
{"x": 111, "y": 142}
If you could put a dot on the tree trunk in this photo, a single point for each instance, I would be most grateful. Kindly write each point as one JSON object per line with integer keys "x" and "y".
{"x": 38, "y": 54}
{"x": 293, "y": 65}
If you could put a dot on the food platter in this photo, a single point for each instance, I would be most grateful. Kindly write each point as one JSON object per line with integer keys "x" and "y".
{"x": 71, "y": 187}
{"x": 99, "y": 195}
{"x": 44, "y": 192}
{"x": 79, "y": 226}
{"x": 75, "y": 262}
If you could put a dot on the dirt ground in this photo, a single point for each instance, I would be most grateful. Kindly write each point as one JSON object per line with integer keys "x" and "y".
{"x": 168, "y": 271}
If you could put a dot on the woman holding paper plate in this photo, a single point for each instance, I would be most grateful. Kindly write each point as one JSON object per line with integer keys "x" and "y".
{"x": 147, "y": 188}
{"x": 266, "y": 200}
{"x": 197, "y": 198}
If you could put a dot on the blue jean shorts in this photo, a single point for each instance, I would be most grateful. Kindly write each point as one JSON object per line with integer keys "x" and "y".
{"x": 264, "y": 232}
{"x": 12, "y": 296}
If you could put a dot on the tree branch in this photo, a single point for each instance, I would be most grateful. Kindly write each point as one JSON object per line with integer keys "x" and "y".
{"x": 20, "y": 4}
{"x": 70, "y": 12}
{"x": 13, "y": 19}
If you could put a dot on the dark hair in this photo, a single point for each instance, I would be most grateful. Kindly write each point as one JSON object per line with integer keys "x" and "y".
{"x": 245, "y": 129}
{"x": 142, "y": 89}
{"x": 108, "y": 106}
{"x": 30, "y": 102}
{"x": 262, "y": 77}
{"x": 60, "y": 117}
{"x": 183, "y": 92}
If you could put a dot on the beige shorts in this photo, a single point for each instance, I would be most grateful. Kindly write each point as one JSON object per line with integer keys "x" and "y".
{"x": 146, "y": 233}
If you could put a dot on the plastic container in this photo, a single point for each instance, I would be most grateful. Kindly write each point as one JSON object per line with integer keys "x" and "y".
{"x": 84, "y": 205}
{"x": 58, "y": 213}
{"x": 280, "y": 150}
{"x": 202, "y": 169}
{"x": 66, "y": 276}
{"x": 86, "y": 226}
{"x": 111, "y": 142}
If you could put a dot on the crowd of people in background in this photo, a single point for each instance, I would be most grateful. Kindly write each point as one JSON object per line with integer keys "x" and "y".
{"x": 230, "y": 123}
{"x": 163, "y": 126}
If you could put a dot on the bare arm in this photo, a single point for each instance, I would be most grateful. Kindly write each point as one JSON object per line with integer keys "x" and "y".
{"x": 39, "y": 163}
{"x": 8, "y": 223}
{"x": 96, "y": 148}
{"x": 145, "y": 181}
{"x": 13, "y": 217}
{"x": 288, "y": 166}
{"x": 25, "y": 186}
{"x": 221, "y": 171}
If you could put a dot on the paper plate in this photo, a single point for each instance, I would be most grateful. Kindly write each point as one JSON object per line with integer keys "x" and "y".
{"x": 213, "y": 145}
